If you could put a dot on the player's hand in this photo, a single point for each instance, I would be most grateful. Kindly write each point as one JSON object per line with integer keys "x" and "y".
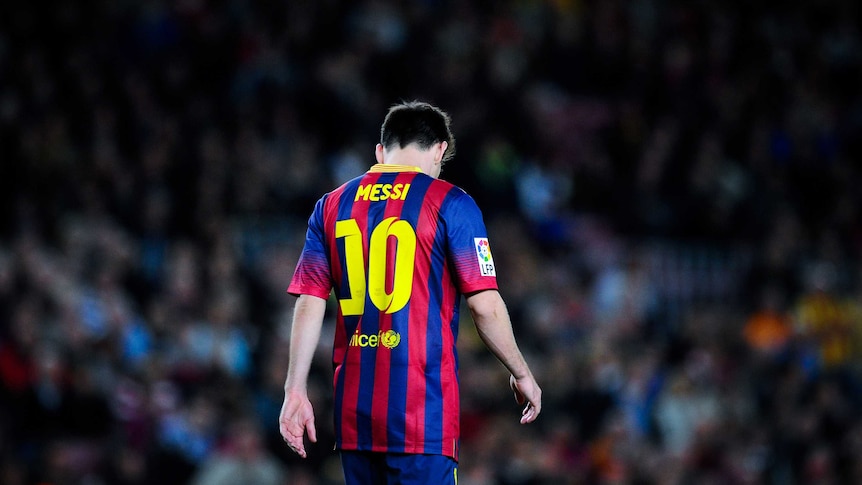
{"x": 527, "y": 391}
{"x": 297, "y": 418}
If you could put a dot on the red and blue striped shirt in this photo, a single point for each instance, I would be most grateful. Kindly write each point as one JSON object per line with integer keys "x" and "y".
{"x": 399, "y": 248}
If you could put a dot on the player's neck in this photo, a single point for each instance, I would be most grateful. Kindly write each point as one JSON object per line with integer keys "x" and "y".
{"x": 423, "y": 163}
{"x": 411, "y": 156}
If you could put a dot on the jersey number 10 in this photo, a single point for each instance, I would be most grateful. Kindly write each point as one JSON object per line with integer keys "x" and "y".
{"x": 375, "y": 281}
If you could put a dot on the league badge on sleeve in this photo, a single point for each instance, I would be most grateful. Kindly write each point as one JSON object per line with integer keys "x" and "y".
{"x": 486, "y": 261}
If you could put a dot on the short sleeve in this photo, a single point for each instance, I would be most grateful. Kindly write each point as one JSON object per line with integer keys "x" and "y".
{"x": 469, "y": 248}
{"x": 312, "y": 275}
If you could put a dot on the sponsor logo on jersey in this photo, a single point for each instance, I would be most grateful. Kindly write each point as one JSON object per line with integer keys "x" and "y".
{"x": 483, "y": 252}
{"x": 378, "y": 192}
{"x": 389, "y": 339}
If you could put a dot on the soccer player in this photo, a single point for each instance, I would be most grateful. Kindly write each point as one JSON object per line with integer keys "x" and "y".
{"x": 399, "y": 247}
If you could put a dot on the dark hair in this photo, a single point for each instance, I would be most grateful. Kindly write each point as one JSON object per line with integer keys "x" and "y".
{"x": 417, "y": 122}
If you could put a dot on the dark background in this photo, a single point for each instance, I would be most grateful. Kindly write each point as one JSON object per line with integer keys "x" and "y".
{"x": 671, "y": 188}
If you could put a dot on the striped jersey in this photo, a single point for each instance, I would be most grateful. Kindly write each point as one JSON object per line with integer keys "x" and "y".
{"x": 398, "y": 248}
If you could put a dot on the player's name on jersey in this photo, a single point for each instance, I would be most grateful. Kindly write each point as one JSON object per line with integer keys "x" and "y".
{"x": 378, "y": 192}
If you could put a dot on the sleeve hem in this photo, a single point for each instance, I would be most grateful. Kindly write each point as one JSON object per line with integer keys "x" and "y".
{"x": 299, "y": 290}
{"x": 479, "y": 286}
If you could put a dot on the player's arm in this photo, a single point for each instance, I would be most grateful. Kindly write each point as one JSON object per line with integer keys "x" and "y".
{"x": 297, "y": 414}
{"x": 495, "y": 329}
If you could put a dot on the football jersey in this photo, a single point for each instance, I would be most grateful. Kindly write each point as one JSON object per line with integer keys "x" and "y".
{"x": 398, "y": 248}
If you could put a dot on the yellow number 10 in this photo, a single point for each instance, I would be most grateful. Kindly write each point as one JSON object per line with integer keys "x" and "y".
{"x": 375, "y": 283}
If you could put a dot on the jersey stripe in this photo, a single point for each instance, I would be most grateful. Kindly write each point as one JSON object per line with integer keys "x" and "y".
{"x": 365, "y": 214}
{"x": 449, "y": 367}
{"x": 413, "y": 398}
{"x": 435, "y": 328}
{"x": 345, "y": 388}
{"x": 354, "y": 416}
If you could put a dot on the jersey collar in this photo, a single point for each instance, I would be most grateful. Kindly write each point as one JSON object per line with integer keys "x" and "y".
{"x": 381, "y": 167}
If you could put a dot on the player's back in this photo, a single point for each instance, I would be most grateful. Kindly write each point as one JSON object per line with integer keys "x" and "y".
{"x": 401, "y": 250}
{"x": 386, "y": 239}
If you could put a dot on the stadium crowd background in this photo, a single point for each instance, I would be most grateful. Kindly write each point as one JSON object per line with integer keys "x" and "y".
{"x": 672, "y": 190}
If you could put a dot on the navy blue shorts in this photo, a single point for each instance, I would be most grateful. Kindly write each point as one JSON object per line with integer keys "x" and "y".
{"x": 371, "y": 468}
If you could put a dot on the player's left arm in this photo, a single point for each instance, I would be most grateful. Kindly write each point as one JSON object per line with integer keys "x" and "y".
{"x": 495, "y": 329}
{"x": 474, "y": 272}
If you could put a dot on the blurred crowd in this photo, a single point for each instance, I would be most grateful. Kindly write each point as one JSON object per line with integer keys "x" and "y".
{"x": 671, "y": 190}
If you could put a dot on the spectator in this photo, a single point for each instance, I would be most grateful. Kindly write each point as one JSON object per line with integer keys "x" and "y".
{"x": 242, "y": 459}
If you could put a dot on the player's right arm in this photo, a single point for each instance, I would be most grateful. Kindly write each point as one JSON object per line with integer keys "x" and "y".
{"x": 297, "y": 414}
{"x": 312, "y": 284}
{"x": 495, "y": 329}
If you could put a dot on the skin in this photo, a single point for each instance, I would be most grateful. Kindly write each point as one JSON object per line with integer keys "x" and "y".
{"x": 487, "y": 308}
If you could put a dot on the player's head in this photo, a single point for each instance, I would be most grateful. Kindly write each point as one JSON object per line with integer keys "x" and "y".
{"x": 420, "y": 123}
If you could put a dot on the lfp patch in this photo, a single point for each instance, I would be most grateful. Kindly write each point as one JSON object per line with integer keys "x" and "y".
{"x": 483, "y": 252}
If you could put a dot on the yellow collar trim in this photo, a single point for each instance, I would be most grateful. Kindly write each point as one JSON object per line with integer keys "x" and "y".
{"x": 385, "y": 167}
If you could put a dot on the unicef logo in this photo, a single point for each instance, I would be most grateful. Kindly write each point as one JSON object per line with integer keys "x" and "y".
{"x": 390, "y": 339}
{"x": 484, "y": 250}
